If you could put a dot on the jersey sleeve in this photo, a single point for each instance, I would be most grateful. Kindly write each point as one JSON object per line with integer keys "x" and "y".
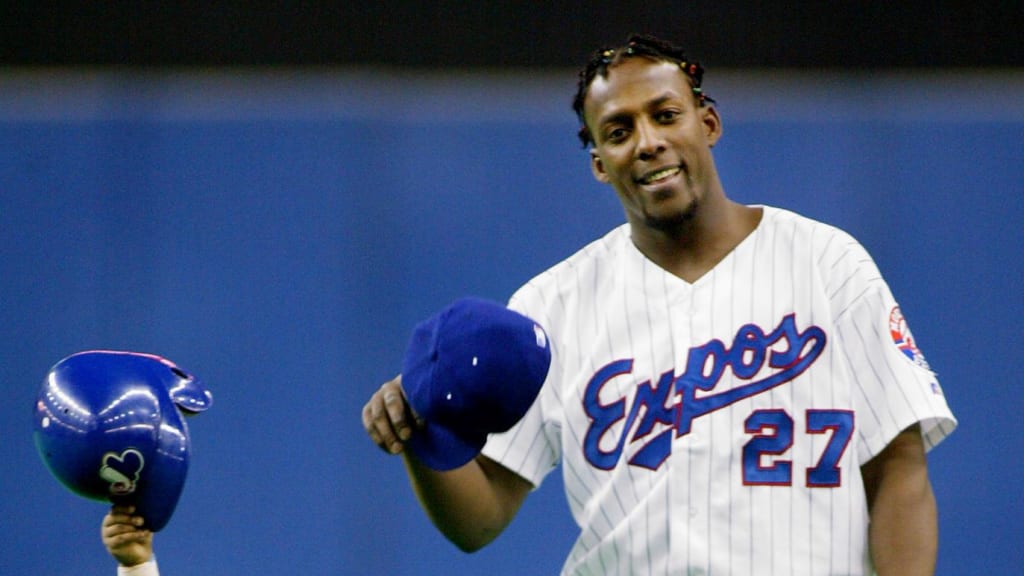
{"x": 532, "y": 447}
{"x": 893, "y": 385}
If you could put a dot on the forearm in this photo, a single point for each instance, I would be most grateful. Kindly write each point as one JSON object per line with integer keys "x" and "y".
{"x": 904, "y": 530}
{"x": 470, "y": 505}
{"x": 903, "y": 534}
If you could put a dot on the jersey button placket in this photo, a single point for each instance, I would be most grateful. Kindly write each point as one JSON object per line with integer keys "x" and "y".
{"x": 694, "y": 449}
{"x": 678, "y": 494}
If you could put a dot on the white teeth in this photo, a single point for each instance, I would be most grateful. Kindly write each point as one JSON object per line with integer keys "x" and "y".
{"x": 655, "y": 176}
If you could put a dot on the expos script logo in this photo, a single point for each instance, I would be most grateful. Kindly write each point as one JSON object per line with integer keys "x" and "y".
{"x": 785, "y": 350}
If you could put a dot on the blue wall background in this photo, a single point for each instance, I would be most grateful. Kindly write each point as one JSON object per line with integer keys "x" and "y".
{"x": 279, "y": 235}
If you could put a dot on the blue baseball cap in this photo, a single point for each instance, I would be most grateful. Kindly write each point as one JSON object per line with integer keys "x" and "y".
{"x": 470, "y": 370}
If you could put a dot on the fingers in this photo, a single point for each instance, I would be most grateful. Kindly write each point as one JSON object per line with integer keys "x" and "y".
{"x": 120, "y": 516}
{"x": 387, "y": 417}
{"x": 116, "y": 540}
{"x": 124, "y": 537}
{"x": 121, "y": 527}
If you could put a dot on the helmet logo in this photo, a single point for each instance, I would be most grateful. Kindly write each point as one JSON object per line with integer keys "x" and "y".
{"x": 122, "y": 470}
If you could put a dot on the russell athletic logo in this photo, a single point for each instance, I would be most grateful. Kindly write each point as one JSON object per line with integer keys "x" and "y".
{"x": 674, "y": 401}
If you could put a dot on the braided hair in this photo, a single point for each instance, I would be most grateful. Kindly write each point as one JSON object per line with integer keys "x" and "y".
{"x": 637, "y": 45}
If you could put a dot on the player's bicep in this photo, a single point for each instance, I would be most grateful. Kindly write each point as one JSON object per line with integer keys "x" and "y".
{"x": 902, "y": 461}
{"x": 509, "y": 489}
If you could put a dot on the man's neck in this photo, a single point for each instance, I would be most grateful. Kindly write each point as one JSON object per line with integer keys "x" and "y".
{"x": 695, "y": 245}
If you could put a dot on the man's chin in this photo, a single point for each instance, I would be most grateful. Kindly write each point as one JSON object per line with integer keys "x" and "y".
{"x": 670, "y": 221}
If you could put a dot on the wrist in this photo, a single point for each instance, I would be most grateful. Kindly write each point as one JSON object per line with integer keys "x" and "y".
{"x": 147, "y": 568}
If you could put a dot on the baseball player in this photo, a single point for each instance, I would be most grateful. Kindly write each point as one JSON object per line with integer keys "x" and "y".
{"x": 732, "y": 390}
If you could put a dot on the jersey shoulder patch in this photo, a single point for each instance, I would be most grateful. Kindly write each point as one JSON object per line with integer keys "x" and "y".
{"x": 903, "y": 339}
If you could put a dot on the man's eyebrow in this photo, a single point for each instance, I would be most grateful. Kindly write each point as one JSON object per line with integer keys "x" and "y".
{"x": 614, "y": 117}
{"x": 619, "y": 115}
{"x": 666, "y": 97}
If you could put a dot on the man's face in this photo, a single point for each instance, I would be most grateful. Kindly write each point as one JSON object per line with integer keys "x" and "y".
{"x": 652, "y": 141}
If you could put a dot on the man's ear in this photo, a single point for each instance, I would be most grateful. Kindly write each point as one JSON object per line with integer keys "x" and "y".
{"x": 712, "y": 124}
{"x": 597, "y": 167}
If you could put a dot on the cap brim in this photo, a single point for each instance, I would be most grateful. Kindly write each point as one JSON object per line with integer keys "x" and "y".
{"x": 441, "y": 449}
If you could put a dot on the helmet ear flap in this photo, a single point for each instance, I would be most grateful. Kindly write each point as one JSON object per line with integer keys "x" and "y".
{"x": 108, "y": 429}
{"x": 189, "y": 394}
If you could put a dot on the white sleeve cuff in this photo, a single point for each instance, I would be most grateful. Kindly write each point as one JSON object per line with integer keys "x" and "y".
{"x": 145, "y": 569}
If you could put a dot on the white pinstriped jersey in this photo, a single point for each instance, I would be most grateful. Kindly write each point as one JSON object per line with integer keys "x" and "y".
{"x": 719, "y": 427}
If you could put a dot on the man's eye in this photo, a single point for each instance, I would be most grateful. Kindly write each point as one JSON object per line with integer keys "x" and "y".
{"x": 667, "y": 115}
{"x": 616, "y": 134}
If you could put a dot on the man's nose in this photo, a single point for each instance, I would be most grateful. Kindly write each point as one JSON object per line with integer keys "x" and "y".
{"x": 649, "y": 141}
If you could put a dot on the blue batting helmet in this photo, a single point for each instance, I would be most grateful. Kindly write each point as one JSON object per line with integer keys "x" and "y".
{"x": 110, "y": 426}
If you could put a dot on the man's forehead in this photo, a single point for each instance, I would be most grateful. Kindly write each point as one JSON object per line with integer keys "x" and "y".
{"x": 636, "y": 81}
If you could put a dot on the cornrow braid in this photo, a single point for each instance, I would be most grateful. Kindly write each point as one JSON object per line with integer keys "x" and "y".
{"x": 637, "y": 45}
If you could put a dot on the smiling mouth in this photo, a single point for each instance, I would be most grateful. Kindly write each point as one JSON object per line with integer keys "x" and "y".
{"x": 658, "y": 175}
